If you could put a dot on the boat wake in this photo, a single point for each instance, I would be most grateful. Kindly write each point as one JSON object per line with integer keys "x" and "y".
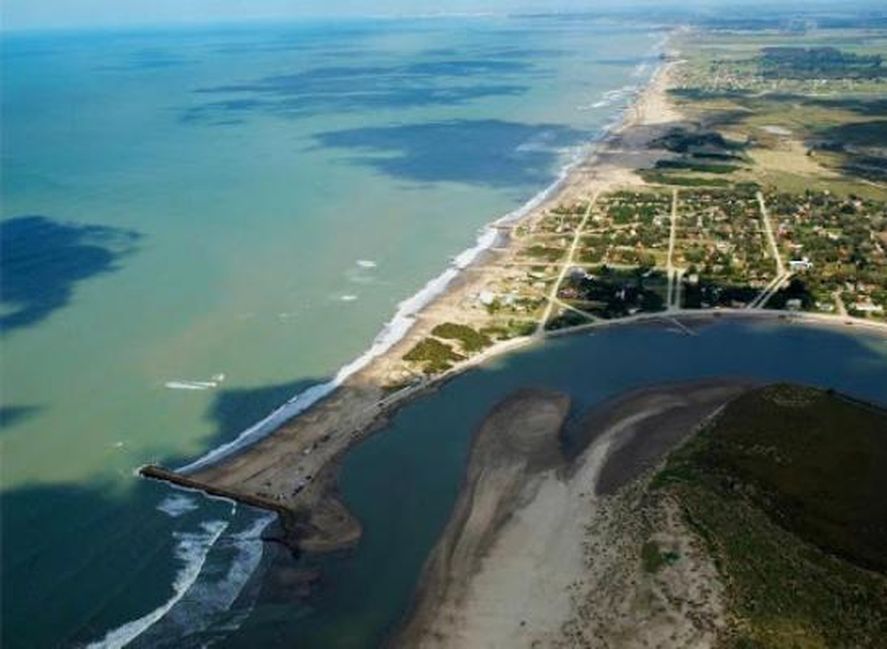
{"x": 183, "y": 384}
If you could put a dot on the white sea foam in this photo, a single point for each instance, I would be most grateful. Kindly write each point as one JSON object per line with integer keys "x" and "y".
{"x": 177, "y": 505}
{"x": 640, "y": 69}
{"x": 198, "y": 492}
{"x": 366, "y": 263}
{"x": 405, "y": 314}
{"x": 191, "y": 550}
{"x": 347, "y": 298}
{"x": 540, "y": 142}
{"x": 209, "y": 597}
{"x": 612, "y": 97}
{"x": 206, "y": 604}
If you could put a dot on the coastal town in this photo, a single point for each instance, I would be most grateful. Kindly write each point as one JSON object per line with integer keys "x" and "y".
{"x": 666, "y": 247}
{"x": 755, "y": 213}
{"x": 685, "y": 210}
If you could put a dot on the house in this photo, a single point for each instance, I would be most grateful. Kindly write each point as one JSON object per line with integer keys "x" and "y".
{"x": 868, "y": 307}
{"x": 799, "y": 265}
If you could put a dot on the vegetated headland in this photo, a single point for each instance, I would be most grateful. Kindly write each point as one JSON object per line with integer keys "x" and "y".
{"x": 710, "y": 199}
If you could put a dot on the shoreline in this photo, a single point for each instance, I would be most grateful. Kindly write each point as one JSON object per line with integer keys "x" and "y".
{"x": 289, "y": 460}
{"x": 410, "y": 309}
{"x": 315, "y": 427}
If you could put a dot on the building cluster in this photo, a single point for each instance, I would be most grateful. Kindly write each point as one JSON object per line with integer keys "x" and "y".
{"x": 837, "y": 246}
{"x": 720, "y": 238}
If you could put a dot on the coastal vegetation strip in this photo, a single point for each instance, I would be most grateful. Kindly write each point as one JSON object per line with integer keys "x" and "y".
{"x": 470, "y": 339}
{"x": 434, "y": 355}
{"x": 786, "y": 489}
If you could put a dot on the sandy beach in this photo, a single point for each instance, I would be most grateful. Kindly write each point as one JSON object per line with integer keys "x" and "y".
{"x": 545, "y": 553}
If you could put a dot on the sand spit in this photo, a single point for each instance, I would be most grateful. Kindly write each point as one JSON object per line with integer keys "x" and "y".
{"x": 543, "y": 552}
{"x": 516, "y": 444}
{"x": 283, "y": 468}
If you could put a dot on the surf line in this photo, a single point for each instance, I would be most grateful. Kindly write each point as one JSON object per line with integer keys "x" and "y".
{"x": 406, "y": 313}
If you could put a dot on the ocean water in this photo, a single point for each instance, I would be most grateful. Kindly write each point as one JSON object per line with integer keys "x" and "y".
{"x": 199, "y": 224}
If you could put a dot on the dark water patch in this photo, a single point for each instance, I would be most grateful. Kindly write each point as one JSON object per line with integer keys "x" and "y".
{"x": 462, "y": 68}
{"x": 439, "y": 51}
{"x": 360, "y": 77}
{"x": 490, "y": 152}
{"x": 148, "y": 59}
{"x": 343, "y": 88}
{"x": 307, "y": 105}
{"x": 11, "y": 415}
{"x": 535, "y": 53}
{"x": 635, "y": 60}
{"x": 42, "y": 260}
{"x": 253, "y": 48}
{"x": 228, "y": 122}
{"x": 322, "y": 78}
{"x": 214, "y": 109}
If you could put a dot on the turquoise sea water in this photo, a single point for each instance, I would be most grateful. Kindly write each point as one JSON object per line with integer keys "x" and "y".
{"x": 198, "y": 224}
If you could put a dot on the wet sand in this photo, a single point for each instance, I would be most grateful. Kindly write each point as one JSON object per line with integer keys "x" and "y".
{"x": 517, "y": 442}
